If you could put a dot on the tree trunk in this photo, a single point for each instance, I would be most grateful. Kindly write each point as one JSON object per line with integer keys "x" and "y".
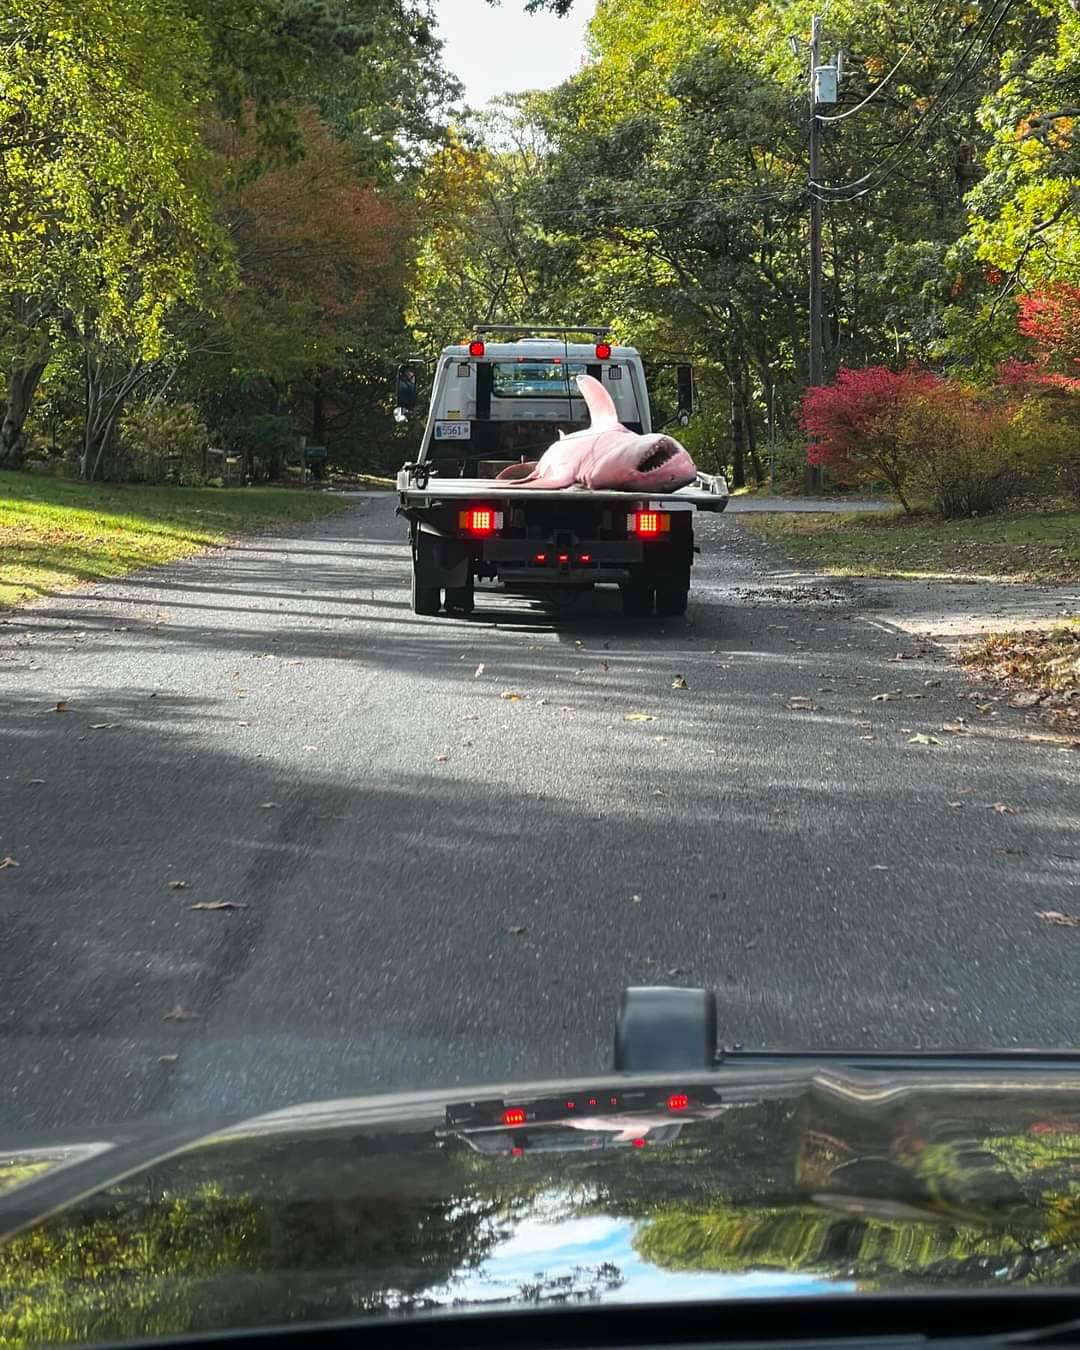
{"x": 738, "y": 467}
{"x": 318, "y": 414}
{"x": 22, "y": 384}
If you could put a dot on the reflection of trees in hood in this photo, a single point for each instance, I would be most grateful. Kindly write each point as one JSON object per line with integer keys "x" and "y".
{"x": 1011, "y": 1201}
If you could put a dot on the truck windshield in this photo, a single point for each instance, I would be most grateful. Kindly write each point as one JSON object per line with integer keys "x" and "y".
{"x": 534, "y": 379}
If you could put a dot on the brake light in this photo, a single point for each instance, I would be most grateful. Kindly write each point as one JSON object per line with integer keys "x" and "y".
{"x": 480, "y": 520}
{"x": 585, "y": 558}
{"x": 564, "y": 557}
{"x": 678, "y": 1101}
{"x": 476, "y": 348}
{"x": 516, "y": 1152}
{"x": 540, "y": 557}
{"x": 514, "y": 1115}
{"x": 603, "y": 351}
{"x": 570, "y": 1105}
{"x": 649, "y": 524}
{"x": 638, "y": 1143}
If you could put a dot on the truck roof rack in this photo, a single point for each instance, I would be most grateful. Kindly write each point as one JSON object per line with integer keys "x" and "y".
{"x": 591, "y": 329}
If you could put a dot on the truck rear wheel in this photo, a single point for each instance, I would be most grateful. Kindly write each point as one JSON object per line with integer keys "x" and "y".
{"x": 672, "y": 597}
{"x": 460, "y": 599}
{"x": 637, "y": 598}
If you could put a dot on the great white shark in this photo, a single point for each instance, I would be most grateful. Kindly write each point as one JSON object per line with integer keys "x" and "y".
{"x": 607, "y": 455}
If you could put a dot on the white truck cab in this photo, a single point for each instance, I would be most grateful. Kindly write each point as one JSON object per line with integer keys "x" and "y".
{"x": 502, "y": 402}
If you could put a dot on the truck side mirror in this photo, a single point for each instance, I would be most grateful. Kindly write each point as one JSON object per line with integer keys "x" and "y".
{"x": 405, "y": 389}
{"x": 685, "y": 377}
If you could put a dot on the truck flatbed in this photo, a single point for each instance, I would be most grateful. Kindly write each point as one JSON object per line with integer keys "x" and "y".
{"x": 703, "y": 498}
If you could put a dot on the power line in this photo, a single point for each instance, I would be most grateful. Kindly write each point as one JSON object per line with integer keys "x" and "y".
{"x": 850, "y": 112}
{"x": 864, "y": 184}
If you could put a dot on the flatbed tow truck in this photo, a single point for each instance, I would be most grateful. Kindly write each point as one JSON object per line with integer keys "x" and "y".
{"x": 501, "y": 400}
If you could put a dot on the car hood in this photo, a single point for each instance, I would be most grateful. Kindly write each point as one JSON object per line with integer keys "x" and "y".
{"x": 748, "y": 1182}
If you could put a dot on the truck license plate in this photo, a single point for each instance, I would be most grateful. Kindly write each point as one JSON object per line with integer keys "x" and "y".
{"x": 453, "y": 431}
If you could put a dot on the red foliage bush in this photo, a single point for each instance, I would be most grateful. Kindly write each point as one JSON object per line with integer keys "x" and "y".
{"x": 856, "y": 420}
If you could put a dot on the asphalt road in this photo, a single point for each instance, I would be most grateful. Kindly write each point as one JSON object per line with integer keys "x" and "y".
{"x": 440, "y": 883}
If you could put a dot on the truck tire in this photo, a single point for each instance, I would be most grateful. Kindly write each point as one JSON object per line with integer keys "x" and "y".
{"x": 672, "y": 597}
{"x": 460, "y": 599}
{"x": 637, "y": 598}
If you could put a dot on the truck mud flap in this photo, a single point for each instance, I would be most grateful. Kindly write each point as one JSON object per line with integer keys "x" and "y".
{"x": 441, "y": 560}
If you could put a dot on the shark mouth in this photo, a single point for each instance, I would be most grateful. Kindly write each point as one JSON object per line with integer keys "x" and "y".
{"x": 658, "y": 457}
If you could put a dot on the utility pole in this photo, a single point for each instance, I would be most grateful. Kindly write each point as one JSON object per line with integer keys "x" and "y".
{"x": 817, "y": 363}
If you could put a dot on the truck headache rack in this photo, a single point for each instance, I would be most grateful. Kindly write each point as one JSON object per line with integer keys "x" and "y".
{"x": 560, "y": 329}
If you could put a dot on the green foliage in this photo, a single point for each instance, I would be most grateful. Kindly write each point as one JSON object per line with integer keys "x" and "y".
{"x": 120, "y": 1272}
{"x": 959, "y": 448}
{"x": 163, "y": 443}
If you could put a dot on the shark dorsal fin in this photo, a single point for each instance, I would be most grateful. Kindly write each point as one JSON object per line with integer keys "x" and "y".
{"x": 602, "y": 414}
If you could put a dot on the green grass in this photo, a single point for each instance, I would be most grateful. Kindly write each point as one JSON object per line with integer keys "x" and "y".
{"x": 1043, "y": 547}
{"x": 56, "y": 534}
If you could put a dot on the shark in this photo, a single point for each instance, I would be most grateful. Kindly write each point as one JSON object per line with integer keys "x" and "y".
{"x": 605, "y": 454}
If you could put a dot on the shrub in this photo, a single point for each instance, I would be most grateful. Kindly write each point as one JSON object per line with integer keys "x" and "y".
{"x": 856, "y": 422}
{"x": 961, "y": 456}
{"x": 162, "y": 443}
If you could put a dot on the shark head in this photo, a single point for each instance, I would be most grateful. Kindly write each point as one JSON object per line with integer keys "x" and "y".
{"x": 653, "y": 463}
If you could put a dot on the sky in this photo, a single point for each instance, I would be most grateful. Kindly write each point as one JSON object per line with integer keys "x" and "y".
{"x": 504, "y": 50}
{"x": 567, "y": 1247}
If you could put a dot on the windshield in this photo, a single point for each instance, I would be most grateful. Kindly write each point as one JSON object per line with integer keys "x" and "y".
{"x": 505, "y": 503}
{"x": 535, "y": 379}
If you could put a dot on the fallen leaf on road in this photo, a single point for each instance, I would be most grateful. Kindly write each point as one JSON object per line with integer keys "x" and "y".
{"x": 7, "y": 862}
{"x": 914, "y": 695}
{"x": 878, "y": 867}
{"x": 799, "y": 703}
{"x": 1056, "y": 916}
{"x": 181, "y": 1014}
{"x": 441, "y": 759}
{"x": 269, "y": 806}
{"x": 956, "y": 805}
{"x": 901, "y": 656}
{"x": 660, "y": 740}
{"x": 294, "y": 663}
{"x": 636, "y": 899}
{"x": 883, "y": 698}
{"x": 103, "y": 726}
{"x": 659, "y": 792}
{"x": 479, "y": 670}
{"x": 511, "y": 696}
{"x": 604, "y": 665}
{"x": 920, "y": 738}
{"x": 679, "y": 683}
{"x": 1027, "y": 699}
{"x": 168, "y": 1059}
{"x": 177, "y": 885}
{"x": 32, "y": 781}
{"x": 518, "y": 929}
{"x": 677, "y": 970}
{"x": 61, "y": 706}
{"x": 955, "y": 727}
{"x": 220, "y": 904}
{"x": 1004, "y": 810}
{"x": 638, "y": 717}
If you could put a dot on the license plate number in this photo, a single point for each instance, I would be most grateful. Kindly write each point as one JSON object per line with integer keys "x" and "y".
{"x": 453, "y": 431}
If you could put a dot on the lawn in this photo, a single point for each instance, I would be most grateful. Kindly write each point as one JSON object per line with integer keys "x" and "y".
{"x": 1042, "y": 547}
{"x": 55, "y": 534}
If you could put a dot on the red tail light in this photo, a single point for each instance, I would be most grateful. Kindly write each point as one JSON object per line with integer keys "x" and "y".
{"x": 514, "y": 1115}
{"x": 649, "y": 524}
{"x": 603, "y": 351}
{"x": 678, "y": 1101}
{"x": 480, "y": 521}
{"x": 638, "y": 1143}
{"x": 516, "y": 1152}
{"x": 476, "y": 349}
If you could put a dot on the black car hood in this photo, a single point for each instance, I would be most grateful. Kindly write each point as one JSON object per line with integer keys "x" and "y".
{"x": 747, "y": 1182}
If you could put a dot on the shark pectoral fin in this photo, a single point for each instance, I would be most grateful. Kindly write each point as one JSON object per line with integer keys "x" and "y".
{"x": 602, "y": 414}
